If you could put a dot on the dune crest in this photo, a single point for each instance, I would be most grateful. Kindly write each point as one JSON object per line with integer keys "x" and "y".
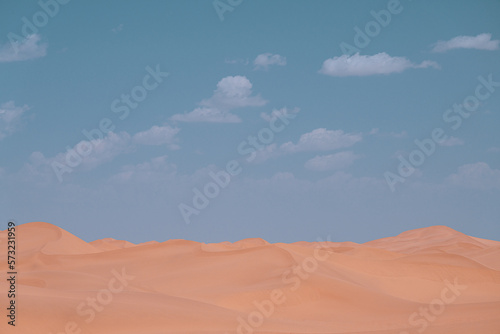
{"x": 108, "y": 244}
{"x": 431, "y": 280}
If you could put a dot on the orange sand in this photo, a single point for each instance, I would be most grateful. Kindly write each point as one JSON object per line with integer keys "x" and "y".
{"x": 430, "y": 280}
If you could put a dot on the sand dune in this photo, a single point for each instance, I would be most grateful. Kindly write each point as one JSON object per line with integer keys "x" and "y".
{"x": 430, "y": 280}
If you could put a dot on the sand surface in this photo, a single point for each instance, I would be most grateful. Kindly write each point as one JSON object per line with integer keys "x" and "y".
{"x": 429, "y": 280}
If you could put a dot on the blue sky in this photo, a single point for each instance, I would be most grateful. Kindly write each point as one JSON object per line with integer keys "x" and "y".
{"x": 223, "y": 120}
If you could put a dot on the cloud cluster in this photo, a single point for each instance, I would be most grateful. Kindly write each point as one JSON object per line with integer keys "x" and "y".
{"x": 89, "y": 154}
{"x": 102, "y": 151}
{"x": 232, "y": 92}
{"x": 380, "y": 63}
{"x": 317, "y": 140}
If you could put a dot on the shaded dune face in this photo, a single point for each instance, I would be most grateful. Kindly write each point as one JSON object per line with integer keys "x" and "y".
{"x": 430, "y": 280}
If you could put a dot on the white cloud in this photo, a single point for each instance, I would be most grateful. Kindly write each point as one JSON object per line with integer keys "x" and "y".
{"x": 476, "y": 176}
{"x": 158, "y": 135}
{"x": 276, "y": 113}
{"x": 232, "y": 92}
{"x": 29, "y": 48}
{"x": 392, "y": 134}
{"x": 322, "y": 140}
{"x": 381, "y": 63}
{"x": 402, "y": 134}
{"x": 335, "y": 161}
{"x": 264, "y": 60}
{"x": 479, "y": 42}
{"x": 117, "y": 29}
{"x": 236, "y": 61}
{"x": 10, "y": 118}
{"x": 451, "y": 141}
{"x": 209, "y": 115}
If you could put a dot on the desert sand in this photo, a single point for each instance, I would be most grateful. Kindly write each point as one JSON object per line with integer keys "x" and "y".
{"x": 430, "y": 280}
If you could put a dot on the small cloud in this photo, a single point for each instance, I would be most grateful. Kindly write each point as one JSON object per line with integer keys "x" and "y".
{"x": 232, "y": 92}
{"x": 277, "y": 113}
{"x": 494, "y": 150}
{"x": 117, "y": 29}
{"x": 376, "y": 132}
{"x": 26, "y": 49}
{"x": 237, "y": 61}
{"x": 479, "y": 42}
{"x": 10, "y": 118}
{"x": 158, "y": 135}
{"x": 263, "y": 61}
{"x": 209, "y": 115}
{"x": 451, "y": 141}
{"x": 476, "y": 176}
{"x": 335, "y": 161}
{"x": 322, "y": 140}
{"x": 381, "y": 63}
{"x": 402, "y": 134}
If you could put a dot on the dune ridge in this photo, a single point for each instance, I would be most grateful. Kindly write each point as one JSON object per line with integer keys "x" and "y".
{"x": 428, "y": 280}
